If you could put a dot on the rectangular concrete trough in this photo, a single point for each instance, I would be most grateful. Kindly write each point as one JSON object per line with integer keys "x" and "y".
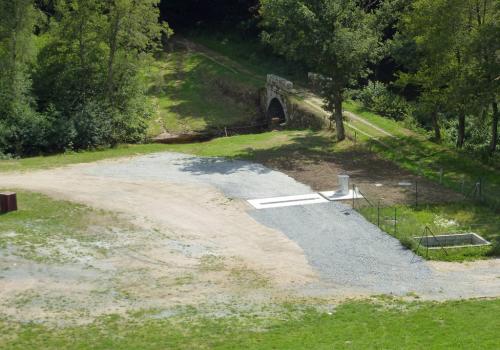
{"x": 460, "y": 240}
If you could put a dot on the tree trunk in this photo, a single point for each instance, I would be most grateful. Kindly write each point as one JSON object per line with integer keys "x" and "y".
{"x": 461, "y": 130}
{"x": 437, "y": 128}
{"x": 494, "y": 128}
{"x": 339, "y": 121}
{"x": 113, "y": 44}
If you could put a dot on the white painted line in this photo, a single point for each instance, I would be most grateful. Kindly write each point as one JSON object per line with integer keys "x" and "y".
{"x": 287, "y": 201}
{"x": 338, "y": 196}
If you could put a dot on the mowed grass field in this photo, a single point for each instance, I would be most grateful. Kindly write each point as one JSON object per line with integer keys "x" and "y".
{"x": 379, "y": 324}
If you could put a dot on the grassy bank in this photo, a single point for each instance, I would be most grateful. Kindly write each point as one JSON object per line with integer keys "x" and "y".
{"x": 356, "y": 325}
{"x": 249, "y": 146}
{"x": 412, "y": 150}
{"x": 190, "y": 93}
{"x": 58, "y": 160}
{"x": 450, "y": 218}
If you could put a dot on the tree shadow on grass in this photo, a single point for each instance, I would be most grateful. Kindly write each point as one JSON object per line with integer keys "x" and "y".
{"x": 190, "y": 93}
{"x": 316, "y": 159}
{"x": 457, "y": 170}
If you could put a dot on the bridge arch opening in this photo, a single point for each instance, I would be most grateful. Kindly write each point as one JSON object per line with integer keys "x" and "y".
{"x": 276, "y": 111}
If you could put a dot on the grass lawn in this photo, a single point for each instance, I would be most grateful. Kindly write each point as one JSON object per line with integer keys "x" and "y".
{"x": 414, "y": 152}
{"x": 46, "y": 162}
{"x": 187, "y": 91}
{"x": 242, "y": 146}
{"x": 251, "y": 54}
{"x": 42, "y": 224}
{"x": 389, "y": 324}
{"x": 441, "y": 219}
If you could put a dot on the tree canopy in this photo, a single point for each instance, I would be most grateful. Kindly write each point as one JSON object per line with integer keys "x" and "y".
{"x": 336, "y": 39}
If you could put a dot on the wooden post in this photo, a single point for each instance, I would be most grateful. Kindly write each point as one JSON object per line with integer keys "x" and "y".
{"x": 8, "y": 202}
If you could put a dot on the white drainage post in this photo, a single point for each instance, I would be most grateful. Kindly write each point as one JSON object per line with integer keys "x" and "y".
{"x": 343, "y": 184}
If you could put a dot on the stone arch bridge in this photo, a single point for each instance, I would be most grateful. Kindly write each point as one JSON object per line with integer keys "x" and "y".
{"x": 281, "y": 105}
{"x": 277, "y": 93}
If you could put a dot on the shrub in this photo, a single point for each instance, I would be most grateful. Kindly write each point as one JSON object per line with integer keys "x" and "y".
{"x": 376, "y": 97}
{"x": 495, "y": 247}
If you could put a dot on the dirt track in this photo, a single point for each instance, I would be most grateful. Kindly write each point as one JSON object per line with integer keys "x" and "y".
{"x": 186, "y": 232}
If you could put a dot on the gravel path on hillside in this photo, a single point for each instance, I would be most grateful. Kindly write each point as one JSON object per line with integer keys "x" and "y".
{"x": 343, "y": 247}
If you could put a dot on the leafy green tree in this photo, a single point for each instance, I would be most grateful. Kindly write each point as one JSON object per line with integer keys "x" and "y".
{"x": 88, "y": 74}
{"x": 132, "y": 28}
{"x": 455, "y": 58}
{"x": 21, "y": 128}
{"x": 335, "y": 38}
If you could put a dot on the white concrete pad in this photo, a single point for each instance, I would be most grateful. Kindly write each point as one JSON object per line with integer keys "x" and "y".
{"x": 338, "y": 196}
{"x": 287, "y": 201}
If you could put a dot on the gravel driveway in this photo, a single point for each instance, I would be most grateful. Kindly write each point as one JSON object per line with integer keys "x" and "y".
{"x": 342, "y": 246}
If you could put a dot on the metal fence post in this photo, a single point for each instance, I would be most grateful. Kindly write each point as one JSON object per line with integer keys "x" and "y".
{"x": 353, "y": 194}
{"x": 395, "y": 221}
{"x": 378, "y": 213}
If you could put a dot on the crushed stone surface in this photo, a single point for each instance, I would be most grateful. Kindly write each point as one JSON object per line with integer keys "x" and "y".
{"x": 338, "y": 242}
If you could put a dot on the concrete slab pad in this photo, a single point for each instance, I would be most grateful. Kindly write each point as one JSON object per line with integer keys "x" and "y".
{"x": 287, "y": 201}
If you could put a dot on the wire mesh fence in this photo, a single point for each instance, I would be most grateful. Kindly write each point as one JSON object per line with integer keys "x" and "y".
{"x": 407, "y": 222}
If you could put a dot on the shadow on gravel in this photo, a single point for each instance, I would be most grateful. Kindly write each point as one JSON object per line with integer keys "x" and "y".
{"x": 210, "y": 166}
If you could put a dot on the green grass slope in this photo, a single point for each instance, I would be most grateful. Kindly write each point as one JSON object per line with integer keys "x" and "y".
{"x": 191, "y": 92}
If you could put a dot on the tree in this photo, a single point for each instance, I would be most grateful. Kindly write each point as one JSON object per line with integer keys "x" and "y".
{"x": 89, "y": 71}
{"x": 132, "y": 28}
{"x": 334, "y": 38}
{"x": 455, "y": 58}
{"x": 17, "y": 116}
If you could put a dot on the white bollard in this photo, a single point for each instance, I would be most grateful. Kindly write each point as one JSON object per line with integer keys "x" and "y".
{"x": 343, "y": 184}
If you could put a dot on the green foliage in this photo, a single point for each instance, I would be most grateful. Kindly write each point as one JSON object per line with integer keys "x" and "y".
{"x": 336, "y": 39}
{"x": 378, "y": 98}
{"x": 86, "y": 80}
{"x": 21, "y": 128}
{"x": 452, "y": 57}
{"x": 242, "y": 146}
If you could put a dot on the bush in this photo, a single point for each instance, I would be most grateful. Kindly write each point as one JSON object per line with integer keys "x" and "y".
{"x": 495, "y": 247}
{"x": 376, "y": 97}
{"x": 24, "y": 133}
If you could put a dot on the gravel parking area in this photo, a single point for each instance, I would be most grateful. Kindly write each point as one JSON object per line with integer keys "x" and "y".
{"x": 343, "y": 247}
